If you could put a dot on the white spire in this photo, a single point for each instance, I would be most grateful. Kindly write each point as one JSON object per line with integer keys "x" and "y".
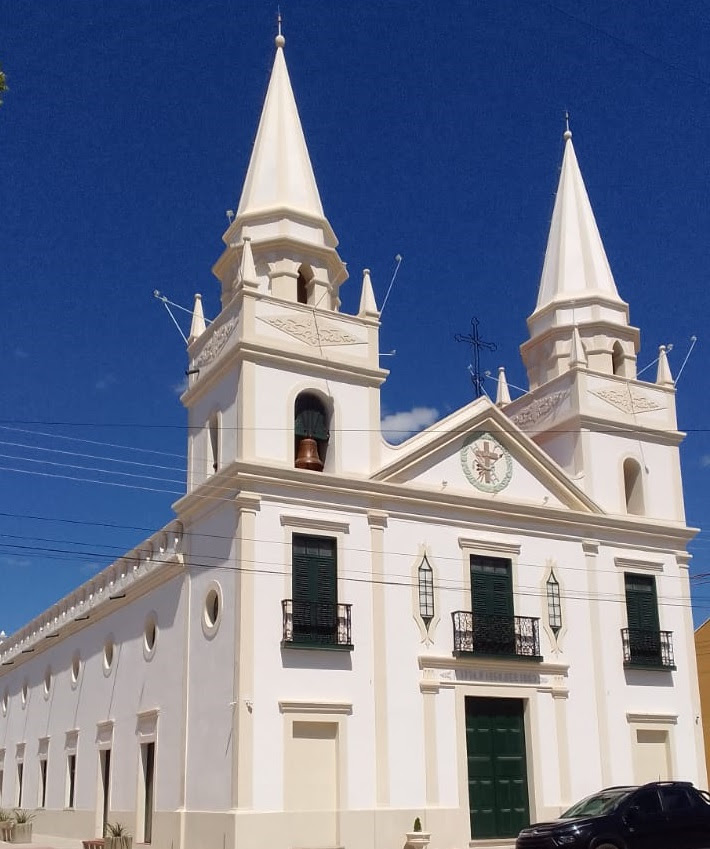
{"x": 197, "y": 328}
{"x": 280, "y": 174}
{"x": 503, "y": 393}
{"x": 247, "y": 272}
{"x": 575, "y": 262}
{"x": 577, "y": 354}
{"x": 663, "y": 376}
{"x": 368, "y": 304}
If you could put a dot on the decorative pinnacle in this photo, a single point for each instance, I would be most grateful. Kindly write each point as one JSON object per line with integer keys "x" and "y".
{"x": 280, "y": 40}
{"x": 568, "y": 133}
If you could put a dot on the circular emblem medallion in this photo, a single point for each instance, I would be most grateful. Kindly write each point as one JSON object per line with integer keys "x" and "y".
{"x": 485, "y": 462}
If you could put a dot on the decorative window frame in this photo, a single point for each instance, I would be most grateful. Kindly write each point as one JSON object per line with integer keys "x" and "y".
{"x": 150, "y": 620}
{"x": 75, "y": 661}
{"x": 427, "y": 630}
{"x": 71, "y": 747}
{"x": 109, "y": 642}
{"x": 487, "y": 548}
{"x": 209, "y": 629}
{"x": 314, "y": 526}
{"x": 555, "y": 640}
{"x": 47, "y": 683}
{"x": 664, "y": 722}
{"x": 331, "y": 713}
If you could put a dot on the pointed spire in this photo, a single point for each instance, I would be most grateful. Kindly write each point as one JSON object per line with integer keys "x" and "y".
{"x": 197, "y": 328}
{"x": 503, "y": 393}
{"x": 368, "y": 304}
{"x": 577, "y": 354}
{"x": 280, "y": 174}
{"x": 247, "y": 271}
{"x": 664, "y": 376}
{"x": 575, "y": 260}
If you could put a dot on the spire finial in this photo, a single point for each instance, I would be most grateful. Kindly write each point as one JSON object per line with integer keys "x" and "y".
{"x": 568, "y": 133}
{"x": 280, "y": 40}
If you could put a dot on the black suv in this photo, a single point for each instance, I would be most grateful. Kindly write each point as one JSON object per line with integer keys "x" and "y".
{"x": 662, "y": 815}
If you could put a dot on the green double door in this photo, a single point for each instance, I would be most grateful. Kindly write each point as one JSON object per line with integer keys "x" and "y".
{"x": 497, "y": 771}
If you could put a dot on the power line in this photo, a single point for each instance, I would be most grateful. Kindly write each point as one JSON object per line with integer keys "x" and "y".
{"x": 88, "y": 441}
{"x": 463, "y": 430}
{"x": 349, "y": 574}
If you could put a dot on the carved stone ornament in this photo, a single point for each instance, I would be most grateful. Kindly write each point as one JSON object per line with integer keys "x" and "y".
{"x": 214, "y": 344}
{"x": 311, "y": 331}
{"x": 539, "y": 408}
{"x": 486, "y": 464}
{"x": 628, "y": 401}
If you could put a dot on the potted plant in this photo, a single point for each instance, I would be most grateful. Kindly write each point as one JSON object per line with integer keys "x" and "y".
{"x": 6, "y": 824}
{"x": 22, "y": 829}
{"x": 416, "y": 838}
{"x": 116, "y": 836}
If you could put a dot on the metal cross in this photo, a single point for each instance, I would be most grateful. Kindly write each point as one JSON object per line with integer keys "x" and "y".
{"x": 476, "y": 343}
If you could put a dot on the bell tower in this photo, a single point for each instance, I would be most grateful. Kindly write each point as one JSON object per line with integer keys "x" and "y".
{"x": 282, "y": 379}
{"x": 614, "y": 434}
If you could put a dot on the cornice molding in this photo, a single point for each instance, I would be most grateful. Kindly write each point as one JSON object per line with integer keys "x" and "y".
{"x": 314, "y": 523}
{"x": 638, "y": 565}
{"x": 652, "y": 718}
{"x": 149, "y": 564}
{"x": 488, "y": 546}
{"x": 286, "y": 706}
{"x": 619, "y": 530}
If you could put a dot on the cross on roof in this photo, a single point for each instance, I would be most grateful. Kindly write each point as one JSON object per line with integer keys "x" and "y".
{"x": 477, "y": 344}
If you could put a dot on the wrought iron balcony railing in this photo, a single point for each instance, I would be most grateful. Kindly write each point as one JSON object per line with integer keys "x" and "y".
{"x": 648, "y": 648}
{"x": 502, "y": 636}
{"x": 316, "y": 625}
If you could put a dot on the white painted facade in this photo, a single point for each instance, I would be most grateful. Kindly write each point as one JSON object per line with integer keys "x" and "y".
{"x": 258, "y": 742}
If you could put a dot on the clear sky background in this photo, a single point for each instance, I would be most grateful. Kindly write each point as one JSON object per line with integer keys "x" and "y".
{"x": 435, "y": 131}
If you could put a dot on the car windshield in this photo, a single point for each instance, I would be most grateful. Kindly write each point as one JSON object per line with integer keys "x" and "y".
{"x": 599, "y": 803}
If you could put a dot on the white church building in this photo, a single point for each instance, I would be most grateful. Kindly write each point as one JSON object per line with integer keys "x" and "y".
{"x": 335, "y": 635}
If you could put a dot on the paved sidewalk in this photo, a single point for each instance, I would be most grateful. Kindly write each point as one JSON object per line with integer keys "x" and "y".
{"x": 45, "y": 841}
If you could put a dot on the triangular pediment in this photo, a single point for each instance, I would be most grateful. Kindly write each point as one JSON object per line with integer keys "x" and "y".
{"x": 478, "y": 452}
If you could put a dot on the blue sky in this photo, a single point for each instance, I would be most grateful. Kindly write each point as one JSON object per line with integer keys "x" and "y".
{"x": 435, "y": 131}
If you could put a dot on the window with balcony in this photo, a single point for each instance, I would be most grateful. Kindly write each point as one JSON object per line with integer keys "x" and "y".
{"x": 644, "y": 644}
{"x": 312, "y": 617}
{"x": 491, "y": 627}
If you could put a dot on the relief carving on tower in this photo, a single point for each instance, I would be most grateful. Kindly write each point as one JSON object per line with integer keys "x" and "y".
{"x": 540, "y": 408}
{"x": 215, "y": 344}
{"x": 627, "y": 400}
{"x": 311, "y": 331}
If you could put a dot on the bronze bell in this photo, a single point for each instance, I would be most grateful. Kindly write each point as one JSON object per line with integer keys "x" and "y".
{"x": 308, "y": 457}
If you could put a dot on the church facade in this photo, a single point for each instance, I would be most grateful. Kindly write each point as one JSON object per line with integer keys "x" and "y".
{"x": 335, "y": 636}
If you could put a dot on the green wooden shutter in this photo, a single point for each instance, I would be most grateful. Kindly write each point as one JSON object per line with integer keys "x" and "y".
{"x": 642, "y": 616}
{"x": 641, "y": 602}
{"x": 492, "y": 605}
{"x": 315, "y": 589}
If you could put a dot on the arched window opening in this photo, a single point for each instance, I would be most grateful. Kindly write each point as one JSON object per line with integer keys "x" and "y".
{"x": 426, "y": 591}
{"x": 617, "y": 358}
{"x": 301, "y": 289}
{"x": 310, "y": 432}
{"x": 554, "y": 608}
{"x": 213, "y": 428}
{"x": 633, "y": 487}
